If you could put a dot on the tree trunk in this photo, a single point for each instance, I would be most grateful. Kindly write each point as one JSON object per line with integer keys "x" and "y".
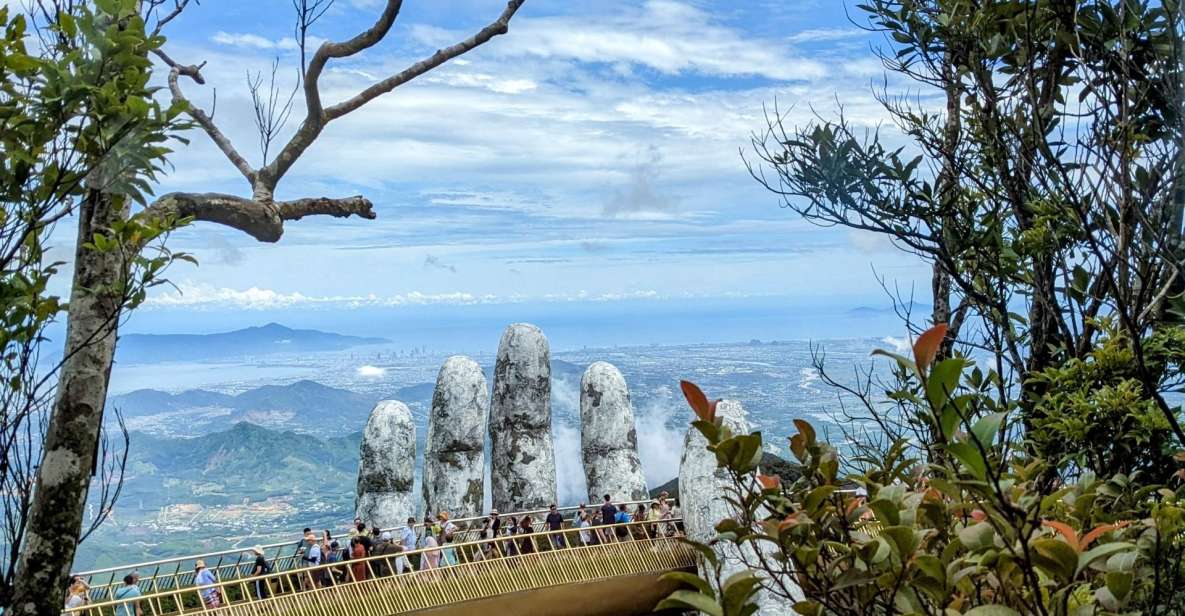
{"x": 72, "y": 438}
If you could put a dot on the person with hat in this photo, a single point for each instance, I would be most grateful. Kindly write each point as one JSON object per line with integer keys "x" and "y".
{"x": 387, "y": 549}
{"x": 204, "y": 577}
{"x": 260, "y": 569}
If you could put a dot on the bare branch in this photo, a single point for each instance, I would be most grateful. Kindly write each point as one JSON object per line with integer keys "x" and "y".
{"x": 307, "y": 14}
{"x": 203, "y": 120}
{"x": 500, "y": 26}
{"x": 270, "y": 114}
{"x": 178, "y": 7}
{"x": 316, "y": 117}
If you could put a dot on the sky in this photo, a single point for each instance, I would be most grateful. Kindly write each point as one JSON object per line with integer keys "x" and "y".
{"x": 594, "y": 154}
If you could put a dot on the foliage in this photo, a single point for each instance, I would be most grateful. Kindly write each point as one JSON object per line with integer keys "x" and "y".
{"x": 975, "y": 532}
{"x": 1048, "y": 193}
{"x": 1095, "y": 414}
{"x": 76, "y": 116}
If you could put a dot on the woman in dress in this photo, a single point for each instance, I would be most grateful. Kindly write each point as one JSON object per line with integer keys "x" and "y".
{"x": 358, "y": 553}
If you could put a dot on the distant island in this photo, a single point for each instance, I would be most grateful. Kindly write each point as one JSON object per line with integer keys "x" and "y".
{"x": 270, "y": 338}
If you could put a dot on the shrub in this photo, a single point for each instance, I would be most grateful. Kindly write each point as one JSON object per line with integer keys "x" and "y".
{"x": 976, "y": 530}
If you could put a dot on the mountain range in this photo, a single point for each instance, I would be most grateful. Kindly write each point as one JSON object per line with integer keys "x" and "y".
{"x": 263, "y": 340}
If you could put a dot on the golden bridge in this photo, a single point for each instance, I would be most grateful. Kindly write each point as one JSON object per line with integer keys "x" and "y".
{"x": 541, "y": 573}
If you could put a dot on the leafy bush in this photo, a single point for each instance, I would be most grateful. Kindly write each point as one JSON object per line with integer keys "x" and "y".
{"x": 974, "y": 531}
{"x": 1095, "y": 415}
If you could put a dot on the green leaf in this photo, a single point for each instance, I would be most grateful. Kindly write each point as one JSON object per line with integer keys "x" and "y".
{"x": 809, "y": 608}
{"x": 1119, "y": 583}
{"x": 978, "y": 536}
{"x": 886, "y": 511}
{"x": 991, "y": 610}
{"x": 738, "y": 589}
{"x": 902, "y": 538}
{"x": 972, "y": 459}
{"x": 688, "y": 600}
{"x": 1056, "y": 558}
{"x": 1106, "y": 549}
{"x": 986, "y": 429}
{"x": 689, "y": 579}
{"x": 817, "y": 496}
{"x": 942, "y": 382}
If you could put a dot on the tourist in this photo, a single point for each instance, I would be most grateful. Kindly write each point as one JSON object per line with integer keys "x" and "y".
{"x": 555, "y": 523}
{"x": 354, "y": 529}
{"x": 621, "y": 519}
{"x": 128, "y": 592}
{"x": 448, "y": 531}
{"x": 525, "y": 528}
{"x": 312, "y": 557}
{"x": 334, "y": 575}
{"x": 260, "y": 569}
{"x": 363, "y": 538}
{"x": 386, "y": 548}
{"x": 407, "y": 543}
{"x": 430, "y": 558}
{"x": 509, "y": 547}
{"x": 495, "y": 523}
{"x": 639, "y": 515}
{"x": 654, "y": 516}
{"x": 586, "y": 536}
{"x": 358, "y": 553}
{"x": 211, "y": 596}
{"x": 302, "y": 546}
{"x": 663, "y": 504}
{"x": 77, "y": 594}
{"x": 608, "y": 514}
{"x": 485, "y": 548}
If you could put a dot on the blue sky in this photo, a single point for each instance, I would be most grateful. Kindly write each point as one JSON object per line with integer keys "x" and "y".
{"x": 591, "y": 154}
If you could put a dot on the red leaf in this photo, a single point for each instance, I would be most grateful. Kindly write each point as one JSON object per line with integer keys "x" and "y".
{"x": 1089, "y": 538}
{"x": 925, "y": 348}
{"x": 698, "y": 401}
{"x": 769, "y": 482}
{"x": 1065, "y": 530}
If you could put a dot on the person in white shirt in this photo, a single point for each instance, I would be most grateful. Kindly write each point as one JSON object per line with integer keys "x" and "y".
{"x": 585, "y": 533}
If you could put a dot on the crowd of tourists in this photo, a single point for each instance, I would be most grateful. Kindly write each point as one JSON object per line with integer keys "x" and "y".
{"x": 432, "y": 545}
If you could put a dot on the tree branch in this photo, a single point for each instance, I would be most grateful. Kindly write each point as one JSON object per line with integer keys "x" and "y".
{"x": 204, "y": 120}
{"x": 316, "y": 117}
{"x": 499, "y": 26}
{"x": 262, "y": 221}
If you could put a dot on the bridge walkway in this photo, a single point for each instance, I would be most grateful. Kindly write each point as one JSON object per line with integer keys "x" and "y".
{"x": 529, "y": 567}
{"x": 178, "y": 572}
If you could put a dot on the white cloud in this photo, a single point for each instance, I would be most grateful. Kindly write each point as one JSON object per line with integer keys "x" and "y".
{"x": 900, "y": 345}
{"x": 666, "y": 36}
{"x": 203, "y": 296}
{"x": 827, "y": 34}
{"x": 246, "y": 39}
{"x": 371, "y": 372}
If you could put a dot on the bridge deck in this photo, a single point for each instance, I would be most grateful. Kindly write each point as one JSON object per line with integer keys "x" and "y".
{"x": 483, "y": 570}
{"x": 177, "y": 572}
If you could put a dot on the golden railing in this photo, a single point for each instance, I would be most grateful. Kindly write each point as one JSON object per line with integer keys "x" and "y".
{"x": 177, "y": 572}
{"x": 485, "y": 568}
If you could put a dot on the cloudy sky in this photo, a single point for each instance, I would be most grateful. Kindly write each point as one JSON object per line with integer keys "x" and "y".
{"x": 593, "y": 153}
